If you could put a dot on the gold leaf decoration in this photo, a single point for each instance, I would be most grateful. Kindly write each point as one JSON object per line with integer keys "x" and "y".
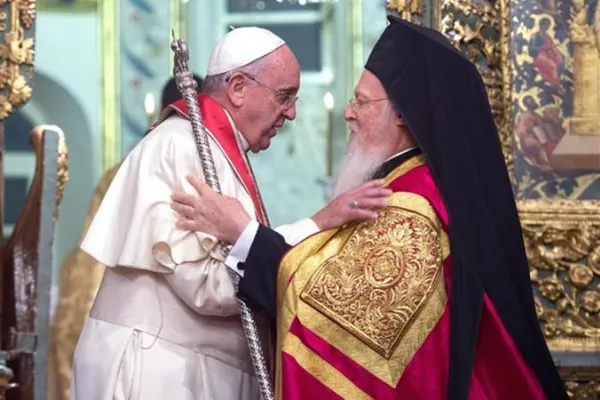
{"x": 16, "y": 53}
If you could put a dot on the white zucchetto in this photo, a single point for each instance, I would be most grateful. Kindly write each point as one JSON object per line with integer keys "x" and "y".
{"x": 240, "y": 47}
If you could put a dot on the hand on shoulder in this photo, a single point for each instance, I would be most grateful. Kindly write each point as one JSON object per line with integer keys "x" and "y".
{"x": 359, "y": 203}
{"x": 221, "y": 216}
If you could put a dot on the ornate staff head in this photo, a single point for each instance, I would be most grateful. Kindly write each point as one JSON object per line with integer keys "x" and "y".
{"x": 183, "y": 76}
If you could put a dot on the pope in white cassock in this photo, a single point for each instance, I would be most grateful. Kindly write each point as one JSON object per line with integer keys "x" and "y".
{"x": 165, "y": 322}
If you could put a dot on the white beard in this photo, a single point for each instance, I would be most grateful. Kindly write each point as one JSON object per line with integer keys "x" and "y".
{"x": 358, "y": 167}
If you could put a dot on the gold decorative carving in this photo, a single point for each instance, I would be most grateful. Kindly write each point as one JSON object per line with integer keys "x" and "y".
{"x": 563, "y": 248}
{"x": 16, "y": 53}
{"x": 411, "y": 10}
{"x": 36, "y": 139}
{"x": 478, "y": 29}
{"x": 381, "y": 280}
{"x": 583, "y": 390}
{"x": 582, "y": 385}
{"x": 561, "y": 236}
{"x": 63, "y": 169}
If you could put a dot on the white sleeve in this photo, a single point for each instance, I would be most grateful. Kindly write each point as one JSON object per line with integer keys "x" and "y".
{"x": 298, "y": 231}
{"x": 292, "y": 233}
{"x": 241, "y": 248}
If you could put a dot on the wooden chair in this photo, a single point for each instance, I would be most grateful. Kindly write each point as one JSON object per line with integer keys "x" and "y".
{"x": 27, "y": 259}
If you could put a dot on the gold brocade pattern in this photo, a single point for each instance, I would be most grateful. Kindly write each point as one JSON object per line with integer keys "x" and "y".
{"x": 384, "y": 275}
{"x": 293, "y": 259}
{"x": 308, "y": 260}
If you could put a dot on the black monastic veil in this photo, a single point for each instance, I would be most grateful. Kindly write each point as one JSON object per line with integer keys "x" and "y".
{"x": 441, "y": 96}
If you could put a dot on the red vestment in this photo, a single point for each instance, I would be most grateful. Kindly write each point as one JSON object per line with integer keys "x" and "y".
{"x": 330, "y": 351}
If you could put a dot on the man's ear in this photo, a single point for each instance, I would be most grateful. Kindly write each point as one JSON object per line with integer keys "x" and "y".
{"x": 236, "y": 87}
{"x": 399, "y": 121}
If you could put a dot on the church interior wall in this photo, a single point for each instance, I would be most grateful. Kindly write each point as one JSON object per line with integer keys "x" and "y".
{"x": 71, "y": 67}
{"x": 67, "y": 88}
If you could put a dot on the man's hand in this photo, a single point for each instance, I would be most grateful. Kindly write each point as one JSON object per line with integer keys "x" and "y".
{"x": 354, "y": 204}
{"x": 221, "y": 216}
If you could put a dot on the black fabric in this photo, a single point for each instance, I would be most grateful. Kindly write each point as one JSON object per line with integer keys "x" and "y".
{"x": 391, "y": 164}
{"x": 170, "y": 94}
{"x": 442, "y": 98}
{"x": 258, "y": 287}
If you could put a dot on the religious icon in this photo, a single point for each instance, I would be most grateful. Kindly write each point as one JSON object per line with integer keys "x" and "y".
{"x": 538, "y": 133}
{"x": 556, "y": 98}
{"x": 584, "y": 123}
{"x": 548, "y": 61}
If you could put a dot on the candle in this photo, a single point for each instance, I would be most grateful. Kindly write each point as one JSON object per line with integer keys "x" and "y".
{"x": 328, "y": 101}
{"x": 150, "y": 107}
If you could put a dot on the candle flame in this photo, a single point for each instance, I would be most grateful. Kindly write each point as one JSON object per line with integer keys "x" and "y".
{"x": 149, "y": 105}
{"x": 328, "y": 100}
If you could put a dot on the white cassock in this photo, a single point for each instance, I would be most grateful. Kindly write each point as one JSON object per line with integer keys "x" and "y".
{"x": 165, "y": 322}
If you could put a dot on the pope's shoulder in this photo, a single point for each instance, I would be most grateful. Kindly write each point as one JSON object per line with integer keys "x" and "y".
{"x": 172, "y": 137}
{"x": 173, "y": 131}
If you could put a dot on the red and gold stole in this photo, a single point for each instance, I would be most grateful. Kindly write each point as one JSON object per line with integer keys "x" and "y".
{"x": 357, "y": 303}
{"x": 220, "y": 129}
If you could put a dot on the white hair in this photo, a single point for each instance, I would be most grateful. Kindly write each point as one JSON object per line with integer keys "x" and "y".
{"x": 214, "y": 84}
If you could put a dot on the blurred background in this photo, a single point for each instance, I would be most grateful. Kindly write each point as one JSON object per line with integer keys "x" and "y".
{"x": 100, "y": 67}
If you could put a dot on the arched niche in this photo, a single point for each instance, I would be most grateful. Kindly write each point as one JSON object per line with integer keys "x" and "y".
{"x": 19, "y": 164}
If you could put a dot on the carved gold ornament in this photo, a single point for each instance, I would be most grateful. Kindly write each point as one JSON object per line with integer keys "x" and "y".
{"x": 36, "y": 138}
{"x": 382, "y": 279}
{"x": 481, "y": 31}
{"x": 63, "y": 169}
{"x": 16, "y": 54}
{"x": 582, "y": 390}
{"x": 563, "y": 248}
{"x": 411, "y": 10}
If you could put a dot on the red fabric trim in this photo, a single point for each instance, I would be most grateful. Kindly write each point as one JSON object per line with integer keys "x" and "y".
{"x": 362, "y": 378}
{"x": 216, "y": 121}
{"x": 303, "y": 386}
{"x": 419, "y": 180}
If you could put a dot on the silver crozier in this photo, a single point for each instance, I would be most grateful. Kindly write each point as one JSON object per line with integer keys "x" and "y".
{"x": 187, "y": 87}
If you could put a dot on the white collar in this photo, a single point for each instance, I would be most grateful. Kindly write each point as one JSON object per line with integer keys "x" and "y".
{"x": 402, "y": 152}
{"x": 242, "y": 142}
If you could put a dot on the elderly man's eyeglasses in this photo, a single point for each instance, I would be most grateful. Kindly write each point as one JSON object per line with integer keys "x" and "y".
{"x": 284, "y": 97}
{"x": 354, "y": 102}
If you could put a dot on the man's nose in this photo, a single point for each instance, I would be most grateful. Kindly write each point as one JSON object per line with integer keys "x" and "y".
{"x": 349, "y": 113}
{"x": 290, "y": 113}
